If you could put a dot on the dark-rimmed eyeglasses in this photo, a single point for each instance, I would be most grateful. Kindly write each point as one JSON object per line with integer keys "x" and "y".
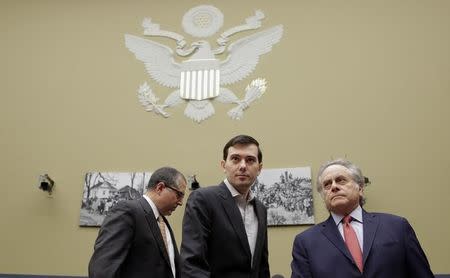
{"x": 180, "y": 194}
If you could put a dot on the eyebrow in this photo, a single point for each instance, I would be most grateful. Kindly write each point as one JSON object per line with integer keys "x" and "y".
{"x": 340, "y": 176}
{"x": 325, "y": 181}
{"x": 243, "y": 156}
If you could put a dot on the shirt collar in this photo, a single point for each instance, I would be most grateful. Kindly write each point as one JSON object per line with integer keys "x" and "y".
{"x": 355, "y": 214}
{"x": 236, "y": 193}
{"x": 150, "y": 202}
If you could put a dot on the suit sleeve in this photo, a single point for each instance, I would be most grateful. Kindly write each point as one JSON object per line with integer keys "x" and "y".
{"x": 416, "y": 259}
{"x": 196, "y": 232}
{"x": 112, "y": 244}
{"x": 300, "y": 261}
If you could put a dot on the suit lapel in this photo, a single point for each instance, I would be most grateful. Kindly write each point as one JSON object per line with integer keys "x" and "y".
{"x": 260, "y": 238}
{"x": 370, "y": 227}
{"x": 330, "y": 230}
{"x": 154, "y": 228}
{"x": 235, "y": 217}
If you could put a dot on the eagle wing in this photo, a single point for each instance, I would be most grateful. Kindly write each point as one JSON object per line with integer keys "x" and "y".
{"x": 158, "y": 60}
{"x": 245, "y": 52}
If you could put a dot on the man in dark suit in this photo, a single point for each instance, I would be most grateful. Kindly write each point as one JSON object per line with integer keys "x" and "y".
{"x": 135, "y": 240}
{"x": 353, "y": 242}
{"x": 224, "y": 226}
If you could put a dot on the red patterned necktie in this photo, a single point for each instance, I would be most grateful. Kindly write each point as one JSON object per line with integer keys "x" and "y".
{"x": 352, "y": 242}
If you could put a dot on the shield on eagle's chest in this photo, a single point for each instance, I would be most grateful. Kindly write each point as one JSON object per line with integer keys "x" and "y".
{"x": 200, "y": 79}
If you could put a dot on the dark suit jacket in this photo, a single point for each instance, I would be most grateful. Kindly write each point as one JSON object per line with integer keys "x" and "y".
{"x": 130, "y": 245}
{"x": 215, "y": 243}
{"x": 390, "y": 250}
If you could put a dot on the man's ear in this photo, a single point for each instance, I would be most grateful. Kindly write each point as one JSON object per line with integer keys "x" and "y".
{"x": 222, "y": 164}
{"x": 260, "y": 168}
{"x": 159, "y": 187}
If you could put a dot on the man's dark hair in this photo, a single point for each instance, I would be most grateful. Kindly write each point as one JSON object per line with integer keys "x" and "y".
{"x": 170, "y": 176}
{"x": 241, "y": 140}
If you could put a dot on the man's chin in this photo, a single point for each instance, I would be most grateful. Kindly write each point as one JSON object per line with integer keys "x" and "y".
{"x": 342, "y": 208}
{"x": 338, "y": 203}
{"x": 243, "y": 184}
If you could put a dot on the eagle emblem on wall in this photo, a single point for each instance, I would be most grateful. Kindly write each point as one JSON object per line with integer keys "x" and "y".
{"x": 199, "y": 73}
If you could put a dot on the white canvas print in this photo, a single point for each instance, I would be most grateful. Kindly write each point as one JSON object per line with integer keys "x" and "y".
{"x": 102, "y": 190}
{"x": 287, "y": 194}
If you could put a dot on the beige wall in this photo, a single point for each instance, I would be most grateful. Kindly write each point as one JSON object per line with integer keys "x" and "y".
{"x": 368, "y": 80}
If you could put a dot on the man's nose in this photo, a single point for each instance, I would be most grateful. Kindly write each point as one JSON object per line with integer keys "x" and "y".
{"x": 242, "y": 164}
{"x": 334, "y": 187}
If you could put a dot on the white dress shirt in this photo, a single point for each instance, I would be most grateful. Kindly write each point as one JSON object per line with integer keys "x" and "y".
{"x": 248, "y": 214}
{"x": 357, "y": 224}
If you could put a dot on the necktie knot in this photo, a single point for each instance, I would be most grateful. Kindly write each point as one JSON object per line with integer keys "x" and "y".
{"x": 347, "y": 219}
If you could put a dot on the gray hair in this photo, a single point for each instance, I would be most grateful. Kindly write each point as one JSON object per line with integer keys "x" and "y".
{"x": 170, "y": 176}
{"x": 355, "y": 172}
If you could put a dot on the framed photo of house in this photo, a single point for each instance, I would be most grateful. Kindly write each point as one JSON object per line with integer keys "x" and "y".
{"x": 102, "y": 190}
{"x": 287, "y": 194}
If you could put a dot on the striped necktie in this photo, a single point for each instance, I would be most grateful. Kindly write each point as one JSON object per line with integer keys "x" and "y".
{"x": 162, "y": 228}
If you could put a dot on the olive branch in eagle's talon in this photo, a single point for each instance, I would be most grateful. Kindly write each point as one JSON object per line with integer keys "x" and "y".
{"x": 253, "y": 91}
{"x": 148, "y": 99}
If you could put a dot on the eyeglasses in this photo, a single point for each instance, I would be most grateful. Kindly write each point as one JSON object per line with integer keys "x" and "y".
{"x": 180, "y": 194}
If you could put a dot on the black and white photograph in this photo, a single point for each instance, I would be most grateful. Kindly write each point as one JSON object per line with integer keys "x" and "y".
{"x": 287, "y": 194}
{"x": 102, "y": 190}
